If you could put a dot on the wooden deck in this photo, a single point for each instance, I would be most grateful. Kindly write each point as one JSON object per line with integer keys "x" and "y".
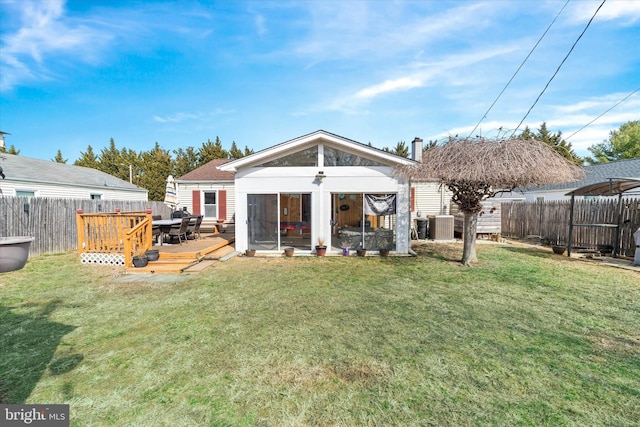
{"x": 191, "y": 256}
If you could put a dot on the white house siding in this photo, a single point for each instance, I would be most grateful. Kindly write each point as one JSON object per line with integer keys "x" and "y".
{"x": 430, "y": 199}
{"x": 338, "y": 179}
{"x": 185, "y": 195}
{"x": 67, "y": 191}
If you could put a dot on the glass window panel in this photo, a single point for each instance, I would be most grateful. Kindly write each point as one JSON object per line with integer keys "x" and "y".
{"x": 335, "y": 157}
{"x": 356, "y": 225}
{"x": 210, "y": 205}
{"x": 308, "y": 157}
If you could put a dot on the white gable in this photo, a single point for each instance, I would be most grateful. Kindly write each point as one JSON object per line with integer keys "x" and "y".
{"x": 318, "y": 138}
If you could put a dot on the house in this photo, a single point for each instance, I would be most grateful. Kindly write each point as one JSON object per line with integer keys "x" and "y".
{"x": 28, "y": 177}
{"x": 321, "y": 186}
{"x": 208, "y": 191}
{"x": 597, "y": 173}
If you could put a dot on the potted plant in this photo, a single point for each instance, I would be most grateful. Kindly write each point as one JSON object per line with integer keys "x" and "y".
{"x": 140, "y": 258}
{"x": 250, "y": 252}
{"x": 321, "y": 248}
{"x": 361, "y": 252}
{"x": 152, "y": 254}
{"x": 345, "y": 248}
{"x": 288, "y": 251}
{"x": 384, "y": 252}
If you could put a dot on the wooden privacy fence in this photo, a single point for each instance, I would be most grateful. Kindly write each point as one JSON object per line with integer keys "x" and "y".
{"x": 550, "y": 221}
{"x": 53, "y": 221}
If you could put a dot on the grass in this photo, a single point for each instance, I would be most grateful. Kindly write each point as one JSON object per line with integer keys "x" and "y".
{"x": 524, "y": 338}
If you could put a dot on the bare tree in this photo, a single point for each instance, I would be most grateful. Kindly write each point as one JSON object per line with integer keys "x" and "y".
{"x": 474, "y": 169}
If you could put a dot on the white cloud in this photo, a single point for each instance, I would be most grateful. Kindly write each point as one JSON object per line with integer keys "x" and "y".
{"x": 404, "y": 83}
{"x": 626, "y": 11}
{"x": 194, "y": 116}
{"x": 44, "y": 31}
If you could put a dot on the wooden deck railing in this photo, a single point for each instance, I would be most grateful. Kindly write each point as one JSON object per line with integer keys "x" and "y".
{"x": 113, "y": 237}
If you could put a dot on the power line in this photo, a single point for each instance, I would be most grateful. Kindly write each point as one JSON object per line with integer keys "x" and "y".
{"x": 559, "y": 66}
{"x": 617, "y": 103}
{"x": 518, "y": 70}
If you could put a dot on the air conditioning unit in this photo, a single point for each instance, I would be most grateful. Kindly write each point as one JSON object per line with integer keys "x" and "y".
{"x": 441, "y": 227}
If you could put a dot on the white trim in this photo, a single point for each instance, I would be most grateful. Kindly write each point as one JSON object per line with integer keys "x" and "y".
{"x": 319, "y": 137}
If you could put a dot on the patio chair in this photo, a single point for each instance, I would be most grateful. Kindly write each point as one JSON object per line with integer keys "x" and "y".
{"x": 155, "y": 232}
{"x": 179, "y": 230}
{"x": 194, "y": 227}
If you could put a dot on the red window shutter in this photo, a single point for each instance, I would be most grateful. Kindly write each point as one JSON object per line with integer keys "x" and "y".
{"x": 195, "y": 202}
{"x": 413, "y": 199}
{"x": 222, "y": 205}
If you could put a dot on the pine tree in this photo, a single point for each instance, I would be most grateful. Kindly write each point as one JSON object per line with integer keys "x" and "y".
{"x": 555, "y": 140}
{"x": 155, "y": 166}
{"x": 185, "y": 161}
{"x": 88, "y": 159}
{"x": 11, "y": 150}
{"x": 234, "y": 151}
{"x": 210, "y": 151}
{"x": 58, "y": 158}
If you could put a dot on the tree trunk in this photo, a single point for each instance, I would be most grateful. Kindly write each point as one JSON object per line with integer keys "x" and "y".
{"x": 469, "y": 236}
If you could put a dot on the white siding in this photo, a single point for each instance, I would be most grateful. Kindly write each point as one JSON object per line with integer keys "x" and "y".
{"x": 347, "y": 179}
{"x": 185, "y": 194}
{"x": 65, "y": 191}
{"x": 431, "y": 199}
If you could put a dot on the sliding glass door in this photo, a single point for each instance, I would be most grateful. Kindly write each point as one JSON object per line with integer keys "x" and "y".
{"x": 275, "y": 221}
{"x": 363, "y": 221}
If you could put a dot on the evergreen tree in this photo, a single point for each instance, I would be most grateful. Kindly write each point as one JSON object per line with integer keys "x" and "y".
{"x": 555, "y": 140}
{"x": 88, "y": 159}
{"x": 400, "y": 149}
{"x": 185, "y": 161}
{"x": 234, "y": 152}
{"x": 11, "y": 150}
{"x": 623, "y": 143}
{"x": 110, "y": 161}
{"x": 155, "y": 166}
{"x": 58, "y": 158}
{"x": 247, "y": 151}
{"x": 211, "y": 150}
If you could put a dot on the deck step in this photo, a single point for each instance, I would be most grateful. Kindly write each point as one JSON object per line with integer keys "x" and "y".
{"x": 220, "y": 252}
{"x": 188, "y": 257}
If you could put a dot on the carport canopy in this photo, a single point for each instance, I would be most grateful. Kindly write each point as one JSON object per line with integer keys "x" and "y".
{"x": 612, "y": 187}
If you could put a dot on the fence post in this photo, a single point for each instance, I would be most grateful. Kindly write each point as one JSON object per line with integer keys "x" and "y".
{"x": 573, "y": 199}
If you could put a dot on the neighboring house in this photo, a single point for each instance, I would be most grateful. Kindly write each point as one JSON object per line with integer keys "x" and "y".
{"x": 321, "y": 186}
{"x": 208, "y": 191}
{"x": 601, "y": 172}
{"x": 30, "y": 177}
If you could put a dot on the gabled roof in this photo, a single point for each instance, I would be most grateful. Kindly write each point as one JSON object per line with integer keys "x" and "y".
{"x": 598, "y": 173}
{"x": 26, "y": 169}
{"x": 209, "y": 172}
{"x": 319, "y": 136}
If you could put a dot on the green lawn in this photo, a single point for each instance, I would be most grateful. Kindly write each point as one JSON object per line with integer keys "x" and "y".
{"x": 524, "y": 338}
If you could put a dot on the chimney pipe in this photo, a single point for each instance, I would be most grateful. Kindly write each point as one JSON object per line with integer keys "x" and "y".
{"x": 416, "y": 149}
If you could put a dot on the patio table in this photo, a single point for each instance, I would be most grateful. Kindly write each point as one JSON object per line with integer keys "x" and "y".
{"x": 165, "y": 226}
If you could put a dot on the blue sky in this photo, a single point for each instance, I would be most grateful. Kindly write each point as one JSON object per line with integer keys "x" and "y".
{"x": 78, "y": 73}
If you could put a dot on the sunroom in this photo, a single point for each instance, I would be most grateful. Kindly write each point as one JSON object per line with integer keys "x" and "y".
{"x": 321, "y": 186}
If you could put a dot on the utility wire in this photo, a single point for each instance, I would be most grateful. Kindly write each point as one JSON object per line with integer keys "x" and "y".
{"x": 617, "y": 103}
{"x": 518, "y": 70}
{"x": 559, "y": 66}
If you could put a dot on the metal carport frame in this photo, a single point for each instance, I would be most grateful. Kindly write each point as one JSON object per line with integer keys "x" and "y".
{"x": 612, "y": 187}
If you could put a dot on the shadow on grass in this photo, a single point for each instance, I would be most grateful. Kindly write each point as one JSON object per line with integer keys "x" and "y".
{"x": 29, "y": 342}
